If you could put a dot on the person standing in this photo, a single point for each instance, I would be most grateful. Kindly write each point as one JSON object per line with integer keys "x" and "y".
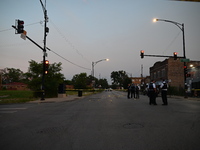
{"x": 152, "y": 93}
{"x": 133, "y": 91}
{"x": 137, "y": 89}
{"x": 129, "y": 91}
{"x": 164, "y": 87}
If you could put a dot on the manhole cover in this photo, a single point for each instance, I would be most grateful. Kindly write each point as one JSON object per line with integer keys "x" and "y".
{"x": 133, "y": 126}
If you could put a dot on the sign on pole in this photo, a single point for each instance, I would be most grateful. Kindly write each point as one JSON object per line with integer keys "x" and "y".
{"x": 185, "y": 60}
{"x": 23, "y": 35}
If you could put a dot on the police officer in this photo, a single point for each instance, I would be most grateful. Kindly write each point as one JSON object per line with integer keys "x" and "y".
{"x": 152, "y": 93}
{"x": 132, "y": 90}
{"x": 164, "y": 87}
{"x": 129, "y": 94}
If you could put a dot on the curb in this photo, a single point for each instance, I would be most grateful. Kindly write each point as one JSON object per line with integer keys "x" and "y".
{"x": 57, "y": 100}
{"x": 189, "y": 98}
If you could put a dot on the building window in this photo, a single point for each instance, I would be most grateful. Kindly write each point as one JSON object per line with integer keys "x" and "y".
{"x": 158, "y": 75}
{"x": 163, "y": 72}
{"x": 154, "y": 75}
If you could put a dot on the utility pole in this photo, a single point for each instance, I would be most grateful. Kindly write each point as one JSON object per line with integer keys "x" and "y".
{"x": 46, "y": 30}
{"x": 142, "y": 71}
{"x": 19, "y": 30}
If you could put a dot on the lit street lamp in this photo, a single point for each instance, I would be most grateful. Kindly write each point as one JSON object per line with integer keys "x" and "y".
{"x": 93, "y": 64}
{"x": 181, "y": 26}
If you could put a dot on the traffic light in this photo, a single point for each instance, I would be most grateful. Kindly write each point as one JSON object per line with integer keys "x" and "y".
{"x": 142, "y": 54}
{"x": 20, "y": 26}
{"x": 46, "y": 66}
{"x": 185, "y": 70}
{"x": 175, "y": 55}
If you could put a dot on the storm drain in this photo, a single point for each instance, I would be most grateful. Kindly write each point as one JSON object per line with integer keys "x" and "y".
{"x": 133, "y": 126}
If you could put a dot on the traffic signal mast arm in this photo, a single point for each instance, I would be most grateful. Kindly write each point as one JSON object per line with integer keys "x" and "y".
{"x": 30, "y": 39}
{"x": 161, "y": 56}
{"x": 175, "y": 55}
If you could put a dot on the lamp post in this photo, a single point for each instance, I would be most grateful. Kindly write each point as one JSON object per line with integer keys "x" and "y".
{"x": 180, "y": 26}
{"x": 93, "y": 64}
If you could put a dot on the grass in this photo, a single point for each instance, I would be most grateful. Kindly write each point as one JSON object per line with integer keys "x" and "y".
{"x": 8, "y": 97}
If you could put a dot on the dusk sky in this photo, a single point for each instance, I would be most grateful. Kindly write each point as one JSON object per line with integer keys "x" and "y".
{"x": 85, "y": 31}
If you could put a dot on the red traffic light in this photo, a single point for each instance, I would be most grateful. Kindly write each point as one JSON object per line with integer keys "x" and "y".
{"x": 46, "y": 67}
{"x": 46, "y": 62}
{"x": 175, "y": 55}
{"x": 20, "y": 22}
{"x": 20, "y": 26}
{"x": 142, "y": 54}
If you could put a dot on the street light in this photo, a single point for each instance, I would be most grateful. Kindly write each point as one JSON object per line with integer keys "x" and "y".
{"x": 94, "y": 63}
{"x": 180, "y": 26}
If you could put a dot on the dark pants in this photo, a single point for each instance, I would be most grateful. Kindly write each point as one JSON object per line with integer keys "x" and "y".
{"x": 164, "y": 97}
{"x": 132, "y": 94}
{"x": 129, "y": 94}
{"x": 152, "y": 97}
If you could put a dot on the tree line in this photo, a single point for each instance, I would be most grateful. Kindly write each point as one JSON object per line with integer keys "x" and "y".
{"x": 33, "y": 78}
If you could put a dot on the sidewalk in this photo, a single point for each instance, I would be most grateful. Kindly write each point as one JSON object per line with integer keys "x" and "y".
{"x": 68, "y": 98}
{"x": 182, "y": 97}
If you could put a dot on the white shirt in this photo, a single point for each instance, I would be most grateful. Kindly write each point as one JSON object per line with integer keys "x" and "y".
{"x": 154, "y": 86}
{"x": 163, "y": 85}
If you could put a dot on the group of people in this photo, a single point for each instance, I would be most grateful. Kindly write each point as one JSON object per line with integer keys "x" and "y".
{"x": 152, "y": 92}
{"x": 133, "y": 91}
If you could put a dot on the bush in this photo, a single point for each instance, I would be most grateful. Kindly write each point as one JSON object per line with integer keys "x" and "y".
{"x": 175, "y": 91}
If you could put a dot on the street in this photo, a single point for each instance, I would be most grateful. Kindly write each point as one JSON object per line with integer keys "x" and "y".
{"x": 104, "y": 121}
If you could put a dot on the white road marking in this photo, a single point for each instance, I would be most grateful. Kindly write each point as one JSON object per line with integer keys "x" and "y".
{"x": 10, "y": 110}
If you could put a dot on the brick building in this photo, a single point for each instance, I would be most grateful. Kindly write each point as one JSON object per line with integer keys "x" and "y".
{"x": 193, "y": 78}
{"x": 15, "y": 86}
{"x": 172, "y": 71}
{"x": 136, "y": 80}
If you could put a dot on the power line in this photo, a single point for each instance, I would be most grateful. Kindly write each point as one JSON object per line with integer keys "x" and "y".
{"x": 67, "y": 41}
{"x": 40, "y": 22}
{"x": 54, "y": 52}
{"x": 172, "y": 42}
{"x": 67, "y": 59}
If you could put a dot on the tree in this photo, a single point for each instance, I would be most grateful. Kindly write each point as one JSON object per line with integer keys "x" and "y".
{"x": 12, "y": 75}
{"x": 80, "y": 81}
{"x": 103, "y": 83}
{"x": 93, "y": 81}
{"x": 120, "y": 79}
{"x": 52, "y": 79}
{"x": 68, "y": 82}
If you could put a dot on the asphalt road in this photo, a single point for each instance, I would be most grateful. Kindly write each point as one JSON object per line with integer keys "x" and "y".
{"x": 105, "y": 121}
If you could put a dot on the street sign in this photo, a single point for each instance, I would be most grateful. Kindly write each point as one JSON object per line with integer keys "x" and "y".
{"x": 23, "y": 35}
{"x": 185, "y": 60}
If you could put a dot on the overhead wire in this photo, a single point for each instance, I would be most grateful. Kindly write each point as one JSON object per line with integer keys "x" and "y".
{"x": 171, "y": 42}
{"x": 24, "y": 25}
{"x": 68, "y": 41}
{"x": 67, "y": 59}
{"x": 49, "y": 48}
